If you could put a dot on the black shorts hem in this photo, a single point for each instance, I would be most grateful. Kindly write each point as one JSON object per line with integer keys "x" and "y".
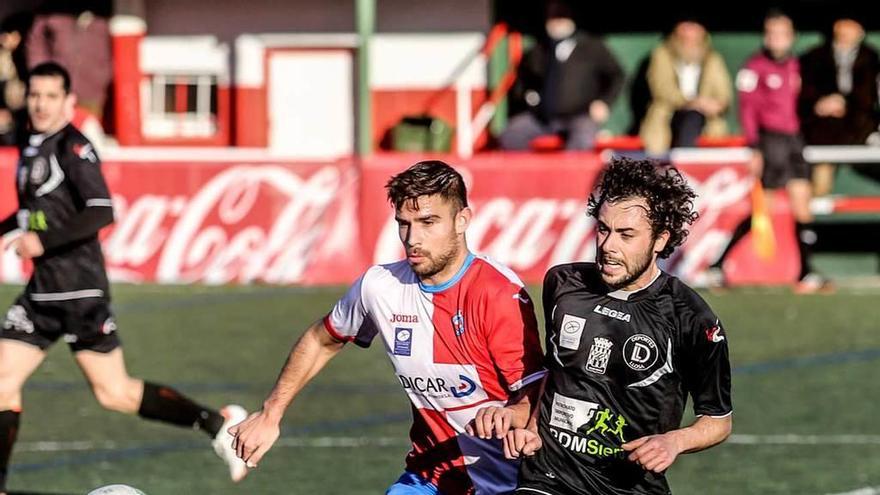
{"x": 85, "y": 324}
{"x": 105, "y": 346}
{"x": 41, "y": 343}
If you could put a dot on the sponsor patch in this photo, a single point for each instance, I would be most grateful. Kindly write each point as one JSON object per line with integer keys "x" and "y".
{"x": 17, "y": 318}
{"x": 396, "y": 318}
{"x": 39, "y": 170}
{"x": 571, "y": 414}
{"x": 458, "y": 323}
{"x": 640, "y": 352}
{"x": 109, "y": 326}
{"x": 714, "y": 334}
{"x": 600, "y": 352}
{"x": 571, "y": 329}
{"x": 611, "y": 313}
{"x": 403, "y": 341}
{"x": 444, "y": 386}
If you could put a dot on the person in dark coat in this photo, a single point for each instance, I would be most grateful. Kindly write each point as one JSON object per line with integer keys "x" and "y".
{"x": 566, "y": 86}
{"x": 838, "y": 99}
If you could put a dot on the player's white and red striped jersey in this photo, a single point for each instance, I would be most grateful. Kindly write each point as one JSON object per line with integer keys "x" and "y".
{"x": 457, "y": 347}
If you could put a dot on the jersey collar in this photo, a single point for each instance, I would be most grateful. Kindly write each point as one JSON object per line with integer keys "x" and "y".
{"x": 37, "y": 140}
{"x": 624, "y": 295}
{"x": 433, "y": 289}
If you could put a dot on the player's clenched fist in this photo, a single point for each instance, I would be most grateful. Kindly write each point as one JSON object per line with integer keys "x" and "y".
{"x": 27, "y": 246}
{"x": 654, "y": 453}
{"x": 254, "y": 437}
{"x": 491, "y": 421}
{"x": 521, "y": 442}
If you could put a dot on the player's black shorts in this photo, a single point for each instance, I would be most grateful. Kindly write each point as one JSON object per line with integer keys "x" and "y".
{"x": 85, "y": 324}
{"x": 783, "y": 159}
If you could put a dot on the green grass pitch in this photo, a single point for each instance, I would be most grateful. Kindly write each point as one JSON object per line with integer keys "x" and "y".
{"x": 807, "y": 386}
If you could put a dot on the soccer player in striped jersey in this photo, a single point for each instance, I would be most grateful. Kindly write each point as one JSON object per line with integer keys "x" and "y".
{"x": 460, "y": 332}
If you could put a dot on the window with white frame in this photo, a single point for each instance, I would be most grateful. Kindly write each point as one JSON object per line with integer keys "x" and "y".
{"x": 180, "y": 106}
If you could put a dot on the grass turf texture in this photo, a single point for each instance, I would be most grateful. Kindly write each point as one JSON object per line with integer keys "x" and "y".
{"x": 805, "y": 366}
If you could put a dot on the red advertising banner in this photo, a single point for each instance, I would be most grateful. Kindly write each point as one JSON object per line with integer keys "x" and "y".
{"x": 530, "y": 213}
{"x": 218, "y": 223}
{"x": 224, "y": 220}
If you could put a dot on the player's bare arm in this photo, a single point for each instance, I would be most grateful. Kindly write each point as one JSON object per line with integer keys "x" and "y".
{"x": 256, "y": 435}
{"x": 657, "y": 452}
{"x": 525, "y": 441}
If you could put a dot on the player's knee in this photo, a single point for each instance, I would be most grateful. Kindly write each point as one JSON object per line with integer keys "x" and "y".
{"x": 10, "y": 395}
{"x": 116, "y": 398}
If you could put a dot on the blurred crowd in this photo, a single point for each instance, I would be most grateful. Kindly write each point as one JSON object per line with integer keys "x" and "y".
{"x": 569, "y": 80}
{"x": 567, "y": 83}
{"x": 74, "y": 34}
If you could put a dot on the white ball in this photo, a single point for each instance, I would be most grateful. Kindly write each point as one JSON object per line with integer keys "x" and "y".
{"x": 116, "y": 490}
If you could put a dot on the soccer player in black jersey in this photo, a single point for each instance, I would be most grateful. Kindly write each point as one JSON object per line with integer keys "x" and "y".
{"x": 626, "y": 345}
{"x": 63, "y": 203}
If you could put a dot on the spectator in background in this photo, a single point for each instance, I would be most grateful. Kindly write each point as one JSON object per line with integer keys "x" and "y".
{"x": 768, "y": 86}
{"x": 690, "y": 90}
{"x": 77, "y": 36}
{"x": 13, "y": 73}
{"x": 566, "y": 85}
{"x": 838, "y": 99}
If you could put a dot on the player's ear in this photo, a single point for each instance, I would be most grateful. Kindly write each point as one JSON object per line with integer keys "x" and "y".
{"x": 463, "y": 219}
{"x": 660, "y": 241}
{"x": 69, "y": 105}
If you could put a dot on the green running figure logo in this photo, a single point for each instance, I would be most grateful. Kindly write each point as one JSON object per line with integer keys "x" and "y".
{"x": 602, "y": 424}
{"x": 37, "y": 222}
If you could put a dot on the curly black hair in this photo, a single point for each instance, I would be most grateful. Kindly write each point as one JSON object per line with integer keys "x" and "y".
{"x": 670, "y": 199}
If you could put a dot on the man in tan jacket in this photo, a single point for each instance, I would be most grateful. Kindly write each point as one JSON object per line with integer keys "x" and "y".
{"x": 690, "y": 90}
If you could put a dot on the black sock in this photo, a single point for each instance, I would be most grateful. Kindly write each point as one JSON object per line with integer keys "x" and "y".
{"x": 9, "y": 421}
{"x": 806, "y": 239}
{"x": 165, "y": 404}
{"x": 738, "y": 233}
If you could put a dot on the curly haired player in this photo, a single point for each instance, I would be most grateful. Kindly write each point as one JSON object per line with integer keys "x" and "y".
{"x": 626, "y": 345}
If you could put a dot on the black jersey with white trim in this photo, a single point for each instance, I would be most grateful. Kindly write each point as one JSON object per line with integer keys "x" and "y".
{"x": 63, "y": 197}
{"x": 621, "y": 366}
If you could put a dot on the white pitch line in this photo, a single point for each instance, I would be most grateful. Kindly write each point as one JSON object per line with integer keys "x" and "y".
{"x": 792, "y": 439}
{"x": 70, "y": 446}
{"x": 346, "y": 442}
{"x": 868, "y": 490}
{"x": 355, "y": 442}
{"x": 287, "y": 442}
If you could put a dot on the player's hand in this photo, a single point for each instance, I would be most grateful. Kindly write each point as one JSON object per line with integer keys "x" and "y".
{"x": 491, "y": 421}
{"x": 654, "y": 452}
{"x": 28, "y": 246}
{"x": 254, "y": 437}
{"x": 521, "y": 442}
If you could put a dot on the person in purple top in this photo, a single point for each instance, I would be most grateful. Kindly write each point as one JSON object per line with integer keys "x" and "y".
{"x": 768, "y": 86}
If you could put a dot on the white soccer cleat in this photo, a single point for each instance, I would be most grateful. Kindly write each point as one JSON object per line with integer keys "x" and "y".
{"x": 222, "y": 443}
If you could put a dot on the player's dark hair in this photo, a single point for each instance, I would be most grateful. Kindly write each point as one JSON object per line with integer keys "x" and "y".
{"x": 776, "y": 13}
{"x": 556, "y": 9}
{"x": 670, "y": 199}
{"x": 424, "y": 179}
{"x": 51, "y": 69}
